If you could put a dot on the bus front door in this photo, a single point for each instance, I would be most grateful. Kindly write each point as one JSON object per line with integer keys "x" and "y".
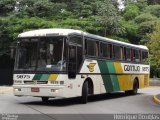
{"x": 72, "y": 62}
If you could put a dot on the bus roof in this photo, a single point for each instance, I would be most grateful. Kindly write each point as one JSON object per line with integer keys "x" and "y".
{"x": 49, "y": 32}
{"x": 65, "y": 32}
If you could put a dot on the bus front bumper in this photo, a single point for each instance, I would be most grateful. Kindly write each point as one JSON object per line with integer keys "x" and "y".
{"x": 38, "y": 90}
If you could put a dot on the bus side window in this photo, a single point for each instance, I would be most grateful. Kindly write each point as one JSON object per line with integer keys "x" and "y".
{"x": 110, "y": 51}
{"x": 140, "y": 58}
{"x": 136, "y": 56}
{"x": 118, "y": 52}
{"x": 91, "y": 48}
{"x": 127, "y": 54}
{"x": 97, "y": 48}
{"x": 144, "y": 56}
{"x": 85, "y": 48}
{"x": 104, "y": 50}
{"x": 121, "y": 53}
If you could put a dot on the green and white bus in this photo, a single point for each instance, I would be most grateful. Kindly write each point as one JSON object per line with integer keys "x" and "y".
{"x": 69, "y": 63}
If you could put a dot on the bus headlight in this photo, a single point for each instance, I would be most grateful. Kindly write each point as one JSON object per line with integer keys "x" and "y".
{"x": 17, "y": 89}
{"x": 53, "y": 90}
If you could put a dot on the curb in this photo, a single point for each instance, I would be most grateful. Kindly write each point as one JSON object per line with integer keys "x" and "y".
{"x": 156, "y": 100}
{"x": 4, "y": 90}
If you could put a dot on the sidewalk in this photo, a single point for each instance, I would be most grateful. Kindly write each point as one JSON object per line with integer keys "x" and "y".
{"x": 154, "y": 82}
{"x": 6, "y": 89}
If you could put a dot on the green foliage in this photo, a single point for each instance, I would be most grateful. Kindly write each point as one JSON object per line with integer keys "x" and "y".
{"x": 142, "y": 4}
{"x": 6, "y": 6}
{"x": 131, "y": 29}
{"x": 144, "y": 17}
{"x": 41, "y": 8}
{"x": 154, "y": 44}
{"x": 131, "y": 11}
{"x": 153, "y": 9}
{"x": 87, "y": 24}
{"x": 119, "y": 38}
{"x": 153, "y": 2}
{"x": 146, "y": 22}
{"x": 109, "y": 18}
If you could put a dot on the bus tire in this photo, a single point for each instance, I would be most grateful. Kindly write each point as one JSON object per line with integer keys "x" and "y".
{"x": 135, "y": 89}
{"x": 45, "y": 99}
{"x": 84, "y": 97}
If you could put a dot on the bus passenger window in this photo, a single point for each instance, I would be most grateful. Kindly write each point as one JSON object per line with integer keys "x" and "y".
{"x": 136, "y": 56}
{"x": 92, "y": 48}
{"x": 118, "y": 52}
{"x": 104, "y": 50}
{"x": 109, "y": 51}
{"x": 127, "y": 54}
{"x": 144, "y": 56}
{"x": 75, "y": 40}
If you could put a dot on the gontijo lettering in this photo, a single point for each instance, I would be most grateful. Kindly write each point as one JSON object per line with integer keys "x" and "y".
{"x": 131, "y": 68}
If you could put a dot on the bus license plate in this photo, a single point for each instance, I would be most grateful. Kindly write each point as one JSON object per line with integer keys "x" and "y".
{"x": 35, "y": 89}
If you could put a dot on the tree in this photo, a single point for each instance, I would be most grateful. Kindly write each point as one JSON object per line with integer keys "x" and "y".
{"x": 154, "y": 44}
{"x": 109, "y": 18}
{"x": 153, "y": 2}
{"x": 85, "y": 24}
{"x": 131, "y": 11}
{"x": 146, "y": 23}
{"x": 153, "y": 9}
{"x": 4, "y": 36}
{"x": 7, "y": 6}
{"x": 131, "y": 29}
{"x": 145, "y": 17}
{"x": 40, "y": 8}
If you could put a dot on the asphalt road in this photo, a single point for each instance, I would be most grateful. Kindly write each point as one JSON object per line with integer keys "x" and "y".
{"x": 118, "y": 103}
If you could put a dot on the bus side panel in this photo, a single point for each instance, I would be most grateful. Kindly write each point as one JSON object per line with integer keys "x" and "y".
{"x": 143, "y": 81}
{"x": 126, "y": 80}
{"x": 109, "y": 76}
{"x": 90, "y": 69}
{"x": 73, "y": 86}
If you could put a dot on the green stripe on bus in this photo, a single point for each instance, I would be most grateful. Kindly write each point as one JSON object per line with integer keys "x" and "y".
{"x": 44, "y": 77}
{"x": 114, "y": 78}
{"x": 37, "y": 77}
{"x": 106, "y": 78}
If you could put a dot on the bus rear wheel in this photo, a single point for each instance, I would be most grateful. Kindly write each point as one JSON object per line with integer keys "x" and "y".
{"x": 45, "y": 99}
{"x": 135, "y": 89}
{"x": 84, "y": 97}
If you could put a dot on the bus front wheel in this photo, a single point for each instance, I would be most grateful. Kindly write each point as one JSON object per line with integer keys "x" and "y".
{"x": 45, "y": 99}
{"x": 84, "y": 97}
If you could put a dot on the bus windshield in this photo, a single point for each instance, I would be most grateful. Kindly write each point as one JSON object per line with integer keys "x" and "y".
{"x": 41, "y": 54}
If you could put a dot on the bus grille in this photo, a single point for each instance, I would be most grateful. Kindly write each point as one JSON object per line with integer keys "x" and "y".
{"x": 37, "y": 82}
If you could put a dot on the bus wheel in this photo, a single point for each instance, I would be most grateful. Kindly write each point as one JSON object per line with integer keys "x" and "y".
{"x": 84, "y": 97}
{"x": 45, "y": 99}
{"x": 135, "y": 89}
